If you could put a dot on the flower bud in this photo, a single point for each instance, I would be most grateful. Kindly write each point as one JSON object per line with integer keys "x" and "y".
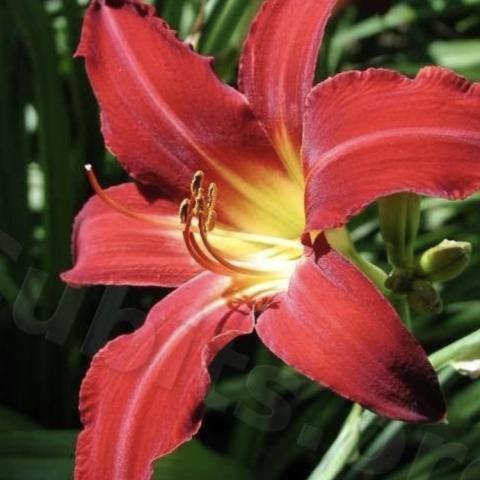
{"x": 423, "y": 298}
{"x": 399, "y": 281}
{"x": 468, "y": 367}
{"x": 445, "y": 261}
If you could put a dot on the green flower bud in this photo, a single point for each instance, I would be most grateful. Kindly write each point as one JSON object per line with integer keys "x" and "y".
{"x": 399, "y": 281}
{"x": 445, "y": 261}
{"x": 423, "y": 298}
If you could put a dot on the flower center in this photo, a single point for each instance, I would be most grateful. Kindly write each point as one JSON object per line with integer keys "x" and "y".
{"x": 198, "y": 215}
{"x": 273, "y": 259}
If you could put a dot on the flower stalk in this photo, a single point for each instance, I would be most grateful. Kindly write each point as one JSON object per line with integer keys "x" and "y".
{"x": 399, "y": 222}
{"x": 341, "y": 241}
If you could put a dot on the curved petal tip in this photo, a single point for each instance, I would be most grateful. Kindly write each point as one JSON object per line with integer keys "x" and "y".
{"x": 336, "y": 328}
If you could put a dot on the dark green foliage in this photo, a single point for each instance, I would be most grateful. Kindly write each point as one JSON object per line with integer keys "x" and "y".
{"x": 49, "y": 128}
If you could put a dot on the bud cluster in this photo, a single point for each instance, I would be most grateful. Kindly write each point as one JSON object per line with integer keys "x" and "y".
{"x": 441, "y": 263}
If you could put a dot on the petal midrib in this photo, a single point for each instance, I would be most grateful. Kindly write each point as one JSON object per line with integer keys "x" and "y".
{"x": 239, "y": 184}
{"x": 363, "y": 141}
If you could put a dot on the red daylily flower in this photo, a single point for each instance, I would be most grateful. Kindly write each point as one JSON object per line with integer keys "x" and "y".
{"x": 236, "y": 254}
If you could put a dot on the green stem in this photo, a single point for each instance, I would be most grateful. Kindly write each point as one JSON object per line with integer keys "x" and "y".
{"x": 403, "y": 309}
{"x": 384, "y": 436}
{"x": 459, "y": 350}
{"x": 399, "y": 216}
{"x": 342, "y": 449}
{"x": 340, "y": 240}
{"x": 399, "y": 221}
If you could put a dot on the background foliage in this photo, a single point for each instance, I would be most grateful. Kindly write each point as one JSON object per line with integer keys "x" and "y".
{"x": 263, "y": 421}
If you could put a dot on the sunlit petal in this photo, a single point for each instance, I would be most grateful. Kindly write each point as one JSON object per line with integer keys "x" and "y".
{"x": 374, "y": 133}
{"x": 142, "y": 396}
{"x": 165, "y": 115}
{"x": 335, "y": 327}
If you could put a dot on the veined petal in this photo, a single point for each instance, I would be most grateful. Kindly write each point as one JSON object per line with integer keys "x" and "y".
{"x": 165, "y": 115}
{"x": 278, "y": 66}
{"x": 111, "y": 248}
{"x": 142, "y": 396}
{"x": 335, "y": 327}
{"x": 374, "y": 133}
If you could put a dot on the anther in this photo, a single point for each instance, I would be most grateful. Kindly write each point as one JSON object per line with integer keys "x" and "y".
{"x": 212, "y": 195}
{"x": 184, "y": 211}
{"x": 197, "y": 182}
{"x": 200, "y": 206}
{"x": 199, "y": 203}
{"x": 211, "y": 220}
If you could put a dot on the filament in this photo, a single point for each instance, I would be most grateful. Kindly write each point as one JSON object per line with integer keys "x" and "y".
{"x": 117, "y": 206}
{"x": 201, "y": 207}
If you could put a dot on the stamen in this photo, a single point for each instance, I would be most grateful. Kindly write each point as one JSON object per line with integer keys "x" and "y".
{"x": 187, "y": 212}
{"x": 199, "y": 256}
{"x": 212, "y": 196}
{"x": 202, "y": 207}
{"x": 115, "y": 205}
{"x": 199, "y": 203}
{"x": 211, "y": 220}
{"x": 217, "y": 256}
{"x": 184, "y": 210}
{"x": 197, "y": 182}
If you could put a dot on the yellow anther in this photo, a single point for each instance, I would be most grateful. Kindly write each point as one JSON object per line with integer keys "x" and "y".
{"x": 201, "y": 207}
{"x": 212, "y": 195}
{"x": 184, "y": 210}
{"x": 211, "y": 219}
{"x": 197, "y": 182}
{"x": 199, "y": 202}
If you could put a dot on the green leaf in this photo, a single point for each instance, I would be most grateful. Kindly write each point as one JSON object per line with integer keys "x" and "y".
{"x": 11, "y": 420}
{"x": 172, "y": 11}
{"x": 195, "y": 461}
{"x": 54, "y": 134}
{"x": 21, "y": 468}
{"x": 456, "y": 54}
{"x": 346, "y": 443}
{"x": 38, "y": 444}
{"x": 49, "y": 455}
{"x": 465, "y": 348}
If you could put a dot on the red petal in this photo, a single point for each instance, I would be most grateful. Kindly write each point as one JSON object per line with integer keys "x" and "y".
{"x": 336, "y": 328}
{"x": 142, "y": 396}
{"x": 111, "y": 248}
{"x": 278, "y": 66}
{"x": 165, "y": 114}
{"x": 374, "y": 133}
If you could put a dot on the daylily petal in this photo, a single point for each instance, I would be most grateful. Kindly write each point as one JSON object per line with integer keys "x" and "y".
{"x": 165, "y": 115}
{"x": 142, "y": 396}
{"x": 111, "y": 248}
{"x": 278, "y": 66}
{"x": 374, "y": 133}
{"x": 335, "y": 327}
